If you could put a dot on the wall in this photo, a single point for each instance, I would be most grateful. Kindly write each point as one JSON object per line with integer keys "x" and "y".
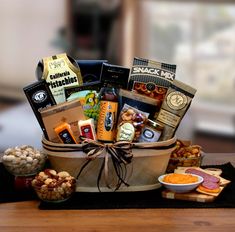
{"x": 28, "y": 29}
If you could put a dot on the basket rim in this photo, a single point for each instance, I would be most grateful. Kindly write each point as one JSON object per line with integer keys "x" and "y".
{"x": 76, "y": 151}
{"x": 135, "y": 145}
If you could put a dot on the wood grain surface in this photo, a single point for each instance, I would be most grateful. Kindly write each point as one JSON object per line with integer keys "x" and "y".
{"x": 25, "y": 216}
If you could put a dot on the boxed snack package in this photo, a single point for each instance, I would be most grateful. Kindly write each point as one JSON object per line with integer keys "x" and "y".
{"x": 176, "y": 103}
{"x": 39, "y": 97}
{"x": 151, "y": 78}
{"x": 59, "y": 71}
{"x": 115, "y": 75}
{"x": 55, "y": 116}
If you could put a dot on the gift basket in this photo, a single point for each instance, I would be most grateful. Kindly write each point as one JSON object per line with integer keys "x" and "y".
{"x": 113, "y": 131}
{"x": 110, "y": 127}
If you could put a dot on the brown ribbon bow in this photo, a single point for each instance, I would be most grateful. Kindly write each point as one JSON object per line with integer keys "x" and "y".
{"x": 120, "y": 153}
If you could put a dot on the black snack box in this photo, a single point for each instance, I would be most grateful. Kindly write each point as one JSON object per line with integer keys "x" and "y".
{"x": 96, "y": 85}
{"x": 39, "y": 97}
{"x": 90, "y": 69}
{"x": 116, "y": 75}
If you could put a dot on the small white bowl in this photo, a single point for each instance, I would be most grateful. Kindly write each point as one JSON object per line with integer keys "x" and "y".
{"x": 180, "y": 188}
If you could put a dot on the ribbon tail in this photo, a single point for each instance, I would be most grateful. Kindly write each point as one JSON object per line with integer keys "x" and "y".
{"x": 118, "y": 170}
{"x": 106, "y": 170}
{"x": 84, "y": 165}
{"x": 100, "y": 174}
{"x": 123, "y": 173}
{"x": 117, "y": 162}
{"x": 118, "y": 175}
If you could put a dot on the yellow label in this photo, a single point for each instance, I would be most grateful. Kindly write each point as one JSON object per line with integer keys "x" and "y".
{"x": 107, "y": 121}
{"x": 168, "y": 118}
{"x": 59, "y": 72}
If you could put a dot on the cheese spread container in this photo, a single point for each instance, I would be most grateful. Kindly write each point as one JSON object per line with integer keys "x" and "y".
{"x": 151, "y": 132}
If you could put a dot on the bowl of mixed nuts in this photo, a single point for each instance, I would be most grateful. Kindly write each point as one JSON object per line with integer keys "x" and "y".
{"x": 185, "y": 155}
{"x": 52, "y": 186}
{"x": 23, "y": 160}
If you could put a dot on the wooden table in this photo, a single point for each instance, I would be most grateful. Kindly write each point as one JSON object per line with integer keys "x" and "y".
{"x": 25, "y": 216}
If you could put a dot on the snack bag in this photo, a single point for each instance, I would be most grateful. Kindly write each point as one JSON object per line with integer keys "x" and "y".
{"x": 130, "y": 123}
{"x": 59, "y": 71}
{"x": 151, "y": 78}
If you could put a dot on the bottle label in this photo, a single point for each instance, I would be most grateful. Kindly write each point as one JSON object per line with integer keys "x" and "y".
{"x": 107, "y": 120}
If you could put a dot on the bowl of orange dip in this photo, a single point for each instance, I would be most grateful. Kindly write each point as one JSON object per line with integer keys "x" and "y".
{"x": 180, "y": 182}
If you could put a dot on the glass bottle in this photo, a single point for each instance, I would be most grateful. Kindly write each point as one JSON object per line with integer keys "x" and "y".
{"x": 106, "y": 126}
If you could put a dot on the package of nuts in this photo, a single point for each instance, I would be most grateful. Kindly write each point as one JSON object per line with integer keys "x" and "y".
{"x": 130, "y": 124}
{"x": 185, "y": 155}
{"x": 52, "y": 186}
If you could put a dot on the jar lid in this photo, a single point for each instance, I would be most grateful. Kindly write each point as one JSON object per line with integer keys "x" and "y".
{"x": 155, "y": 125}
